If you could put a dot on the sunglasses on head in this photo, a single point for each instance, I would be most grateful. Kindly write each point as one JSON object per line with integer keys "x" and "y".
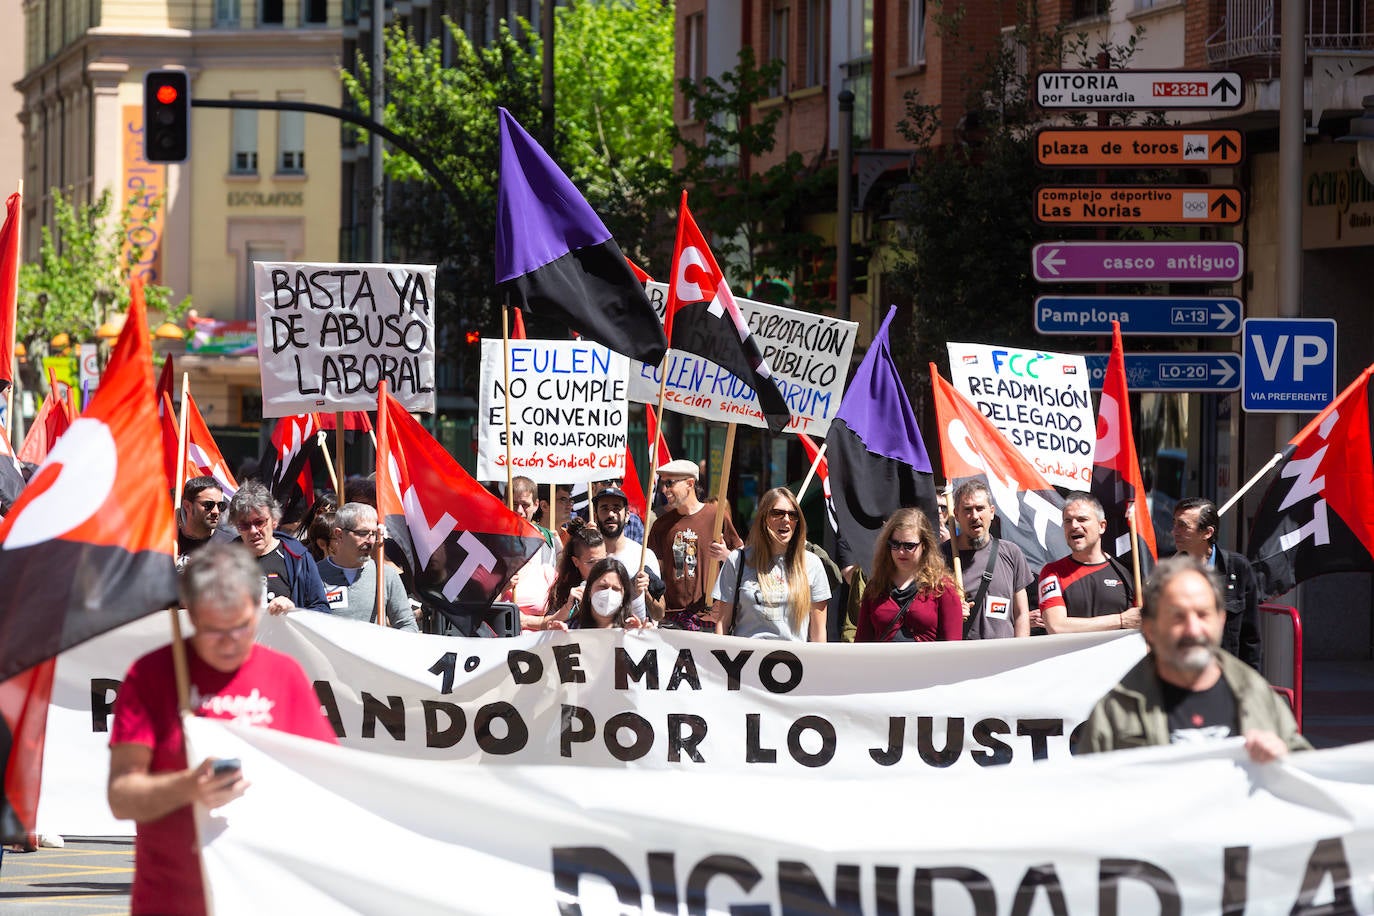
{"x": 903, "y": 545}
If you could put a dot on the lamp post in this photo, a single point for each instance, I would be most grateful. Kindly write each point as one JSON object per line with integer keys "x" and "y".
{"x": 1362, "y": 135}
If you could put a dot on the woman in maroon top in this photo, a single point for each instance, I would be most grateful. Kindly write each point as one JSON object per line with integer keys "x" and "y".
{"x": 911, "y": 597}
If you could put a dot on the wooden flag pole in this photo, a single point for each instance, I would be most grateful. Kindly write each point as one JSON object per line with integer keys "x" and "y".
{"x": 329, "y": 465}
{"x": 1135, "y": 552}
{"x": 179, "y": 667}
{"x": 651, "y": 479}
{"x": 505, "y": 381}
{"x": 811, "y": 472}
{"x": 719, "y": 525}
{"x": 339, "y": 477}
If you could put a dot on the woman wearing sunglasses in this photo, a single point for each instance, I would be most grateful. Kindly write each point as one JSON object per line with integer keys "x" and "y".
{"x": 911, "y": 596}
{"x": 773, "y": 587}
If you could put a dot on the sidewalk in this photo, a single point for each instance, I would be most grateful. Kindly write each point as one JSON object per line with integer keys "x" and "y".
{"x": 1338, "y": 702}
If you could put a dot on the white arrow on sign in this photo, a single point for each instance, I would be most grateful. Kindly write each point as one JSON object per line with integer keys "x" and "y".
{"x": 1226, "y": 372}
{"x": 1227, "y": 316}
{"x": 1050, "y": 262}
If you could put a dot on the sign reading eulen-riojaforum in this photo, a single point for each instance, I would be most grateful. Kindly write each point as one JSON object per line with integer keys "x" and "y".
{"x": 1125, "y": 89}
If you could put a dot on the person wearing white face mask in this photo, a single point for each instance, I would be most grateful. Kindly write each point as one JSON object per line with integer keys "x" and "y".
{"x": 605, "y": 600}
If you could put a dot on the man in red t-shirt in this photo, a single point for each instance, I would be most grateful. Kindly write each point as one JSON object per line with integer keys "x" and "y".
{"x": 1087, "y": 591}
{"x": 231, "y": 677}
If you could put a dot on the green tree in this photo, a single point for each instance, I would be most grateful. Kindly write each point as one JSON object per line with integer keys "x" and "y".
{"x": 754, "y": 217}
{"x": 81, "y": 277}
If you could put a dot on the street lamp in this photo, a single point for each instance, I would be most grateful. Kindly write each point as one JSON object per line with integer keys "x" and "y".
{"x": 1362, "y": 135}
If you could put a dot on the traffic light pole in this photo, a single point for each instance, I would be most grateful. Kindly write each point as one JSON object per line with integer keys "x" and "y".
{"x": 455, "y": 199}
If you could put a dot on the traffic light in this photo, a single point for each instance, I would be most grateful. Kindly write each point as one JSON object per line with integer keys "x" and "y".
{"x": 166, "y": 115}
{"x": 473, "y": 338}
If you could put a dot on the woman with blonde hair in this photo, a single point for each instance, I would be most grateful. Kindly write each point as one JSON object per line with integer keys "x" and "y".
{"x": 911, "y": 597}
{"x": 773, "y": 587}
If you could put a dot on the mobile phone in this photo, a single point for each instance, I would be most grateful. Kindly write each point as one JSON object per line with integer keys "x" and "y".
{"x": 225, "y": 766}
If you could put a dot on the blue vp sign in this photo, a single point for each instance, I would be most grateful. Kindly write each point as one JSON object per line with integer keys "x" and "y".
{"x": 1288, "y": 364}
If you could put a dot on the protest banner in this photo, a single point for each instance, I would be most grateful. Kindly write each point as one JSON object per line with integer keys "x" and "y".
{"x": 569, "y": 414}
{"x": 1171, "y": 830}
{"x": 328, "y": 334}
{"x": 660, "y": 699}
{"x": 1038, "y": 400}
{"x": 809, "y": 355}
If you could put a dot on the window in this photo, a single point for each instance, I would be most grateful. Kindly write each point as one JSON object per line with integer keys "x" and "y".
{"x": 916, "y": 32}
{"x": 778, "y": 34}
{"x": 694, "y": 63}
{"x": 1087, "y": 9}
{"x": 244, "y": 142}
{"x": 817, "y": 41}
{"x": 257, "y": 251}
{"x": 314, "y": 12}
{"x": 291, "y": 138}
{"x": 271, "y": 12}
{"x": 227, "y": 14}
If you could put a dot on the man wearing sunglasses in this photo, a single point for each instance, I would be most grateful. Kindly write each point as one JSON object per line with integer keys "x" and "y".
{"x": 202, "y": 507}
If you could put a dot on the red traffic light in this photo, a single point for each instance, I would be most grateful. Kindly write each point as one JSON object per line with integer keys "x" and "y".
{"x": 166, "y": 94}
{"x": 473, "y": 337}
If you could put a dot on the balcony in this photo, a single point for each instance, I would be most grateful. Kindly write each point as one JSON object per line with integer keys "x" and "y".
{"x": 1250, "y": 29}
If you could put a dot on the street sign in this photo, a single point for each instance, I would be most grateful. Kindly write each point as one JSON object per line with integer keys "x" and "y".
{"x": 1205, "y": 372}
{"x": 1159, "y": 316}
{"x": 1138, "y": 203}
{"x": 1289, "y": 364}
{"x": 1146, "y": 147}
{"x": 1114, "y": 90}
{"x": 1138, "y": 262}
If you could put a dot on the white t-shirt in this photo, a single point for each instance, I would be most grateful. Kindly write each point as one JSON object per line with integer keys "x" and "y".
{"x": 762, "y": 609}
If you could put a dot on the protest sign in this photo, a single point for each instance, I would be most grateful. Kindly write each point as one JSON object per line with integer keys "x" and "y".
{"x": 808, "y": 354}
{"x": 568, "y": 411}
{"x": 328, "y": 334}
{"x": 1171, "y": 830}
{"x": 661, "y": 699}
{"x": 1038, "y": 400}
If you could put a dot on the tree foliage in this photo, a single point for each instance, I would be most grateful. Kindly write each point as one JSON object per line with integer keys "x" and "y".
{"x": 81, "y": 277}
{"x": 754, "y": 217}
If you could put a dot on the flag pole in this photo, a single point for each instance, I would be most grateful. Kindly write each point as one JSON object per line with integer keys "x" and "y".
{"x": 711, "y": 568}
{"x": 1259, "y": 475}
{"x": 339, "y": 477}
{"x": 14, "y": 326}
{"x": 179, "y": 666}
{"x": 505, "y": 380}
{"x": 329, "y": 466}
{"x": 949, "y": 508}
{"x": 651, "y": 479}
{"x": 815, "y": 465}
{"x": 378, "y": 558}
{"x": 1135, "y": 552}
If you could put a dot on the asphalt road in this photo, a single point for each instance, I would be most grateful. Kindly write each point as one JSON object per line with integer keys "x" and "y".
{"x": 91, "y": 876}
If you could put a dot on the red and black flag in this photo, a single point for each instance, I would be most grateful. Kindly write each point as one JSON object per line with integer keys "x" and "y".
{"x": 1318, "y": 515}
{"x": 24, "y": 701}
{"x": 202, "y": 452}
{"x": 1029, "y": 508}
{"x": 1117, "y": 483}
{"x": 554, "y": 255}
{"x": 461, "y": 543}
{"x": 9, "y": 288}
{"x": 288, "y": 465}
{"x": 703, "y": 318}
{"x": 53, "y": 419}
{"x": 814, "y": 456}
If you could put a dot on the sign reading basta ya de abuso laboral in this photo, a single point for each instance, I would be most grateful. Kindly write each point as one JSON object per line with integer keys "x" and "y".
{"x": 568, "y": 411}
{"x": 1038, "y": 400}
{"x": 807, "y": 353}
{"x": 329, "y": 334}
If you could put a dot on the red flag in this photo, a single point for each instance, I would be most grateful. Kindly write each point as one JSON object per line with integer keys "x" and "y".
{"x": 1117, "y": 483}
{"x": 651, "y": 421}
{"x": 89, "y": 541}
{"x": 1031, "y": 510}
{"x": 23, "y": 724}
{"x": 1315, "y": 517}
{"x": 9, "y": 287}
{"x": 422, "y": 494}
{"x": 703, "y": 318}
{"x": 634, "y": 487}
{"x": 166, "y": 382}
{"x": 639, "y": 272}
{"x": 171, "y": 440}
{"x": 813, "y": 452}
{"x": 517, "y": 325}
{"x": 52, "y": 420}
{"x": 353, "y": 420}
{"x": 135, "y": 323}
{"x": 202, "y": 453}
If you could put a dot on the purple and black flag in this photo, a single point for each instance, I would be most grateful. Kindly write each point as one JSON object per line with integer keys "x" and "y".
{"x": 555, "y": 257}
{"x": 878, "y": 460}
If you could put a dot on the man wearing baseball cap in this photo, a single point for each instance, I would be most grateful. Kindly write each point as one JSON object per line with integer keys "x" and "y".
{"x": 610, "y": 512}
{"x": 680, "y": 537}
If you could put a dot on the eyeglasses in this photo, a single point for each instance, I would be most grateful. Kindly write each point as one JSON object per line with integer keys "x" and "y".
{"x": 780, "y": 514}
{"x": 262, "y": 523}
{"x": 237, "y": 632}
{"x": 208, "y": 506}
{"x": 902, "y": 546}
{"x": 362, "y": 532}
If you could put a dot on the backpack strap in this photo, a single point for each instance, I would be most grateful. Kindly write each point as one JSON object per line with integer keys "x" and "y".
{"x": 1127, "y": 578}
{"x": 739, "y": 578}
{"x": 977, "y": 610}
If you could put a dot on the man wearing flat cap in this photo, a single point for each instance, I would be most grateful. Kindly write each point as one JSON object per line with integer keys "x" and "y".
{"x": 680, "y": 538}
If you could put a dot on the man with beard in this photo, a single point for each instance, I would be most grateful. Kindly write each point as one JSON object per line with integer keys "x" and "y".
{"x": 1195, "y": 532}
{"x": 202, "y": 503}
{"x": 610, "y": 511}
{"x": 1188, "y": 689}
{"x": 1006, "y": 609}
{"x": 1087, "y": 591}
{"x": 680, "y": 538}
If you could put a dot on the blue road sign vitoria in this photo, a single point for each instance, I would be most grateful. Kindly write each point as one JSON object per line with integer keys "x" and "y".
{"x": 1159, "y": 316}
{"x": 1289, "y": 364}
{"x": 1202, "y": 372}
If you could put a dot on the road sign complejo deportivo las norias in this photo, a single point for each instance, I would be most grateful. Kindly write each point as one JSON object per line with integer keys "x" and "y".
{"x": 1145, "y": 147}
{"x": 1123, "y": 89}
{"x": 1137, "y": 203}
{"x": 1138, "y": 262}
{"x": 1141, "y": 316}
